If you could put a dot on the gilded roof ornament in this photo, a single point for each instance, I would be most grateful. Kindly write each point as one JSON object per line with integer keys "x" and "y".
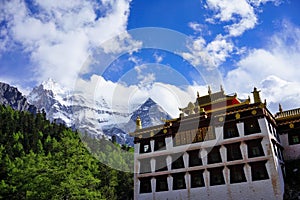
{"x": 138, "y": 123}
{"x": 256, "y": 95}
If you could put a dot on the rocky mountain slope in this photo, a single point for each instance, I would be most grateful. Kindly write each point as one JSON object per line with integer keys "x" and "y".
{"x": 11, "y": 96}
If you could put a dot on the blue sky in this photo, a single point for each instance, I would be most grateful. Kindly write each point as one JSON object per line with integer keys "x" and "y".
{"x": 237, "y": 43}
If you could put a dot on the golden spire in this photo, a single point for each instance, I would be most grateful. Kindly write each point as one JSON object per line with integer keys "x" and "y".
{"x": 209, "y": 90}
{"x": 256, "y": 95}
{"x": 138, "y": 123}
{"x": 280, "y": 108}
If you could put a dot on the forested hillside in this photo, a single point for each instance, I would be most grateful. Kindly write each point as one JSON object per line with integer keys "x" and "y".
{"x": 43, "y": 160}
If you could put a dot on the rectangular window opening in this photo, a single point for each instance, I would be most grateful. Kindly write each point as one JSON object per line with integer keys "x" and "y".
{"x": 179, "y": 181}
{"x": 230, "y": 130}
{"x": 177, "y": 161}
{"x": 145, "y": 185}
{"x": 216, "y": 176}
{"x": 214, "y": 155}
{"x": 161, "y": 183}
{"x": 237, "y": 174}
{"x": 197, "y": 179}
{"x": 259, "y": 171}
{"x": 194, "y": 158}
{"x": 161, "y": 163}
{"x": 159, "y": 144}
{"x": 255, "y": 148}
{"x": 145, "y": 147}
{"x": 294, "y": 137}
{"x": 145, "y": 166}
{"x": 234, "y": 152}
{"x": 251, "y": 126}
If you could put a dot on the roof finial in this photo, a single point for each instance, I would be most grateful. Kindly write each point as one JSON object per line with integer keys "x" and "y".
{"x": 221, "y": 88}
{"x": 209, "y": 90}
{"x": 256, "y": 95}
{"x": 138, "y": 123}
{"x": 280, "y": 108}
{"x": 198, "y": 95}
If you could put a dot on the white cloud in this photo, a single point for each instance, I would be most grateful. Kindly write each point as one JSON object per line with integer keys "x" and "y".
{"x": 146, "y": 79}
{"x": 235, "y": 17}
{"x": 210, "y": 55}
{"x": 158, "y": 58}
{"x": 239, "y": 12}
{"x": 59, "y": 35}
{"x": 274, "y": 69}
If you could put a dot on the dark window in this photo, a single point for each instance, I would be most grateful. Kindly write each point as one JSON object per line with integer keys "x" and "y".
{"x": 294, "y": 137}
{"x": 214, "y": 155}
{"x": 216, "y": 176}
{"x": 204, "y": 133}
{"x": 197, "y": 179}
{"x": 230, "y": 130}
{"x": 145, "y": 166}
{"x": 178, "y": 181}
{"x": 161, "y": 164}
{"x": 145, "y": 147}
{"x": 259, "y": 171}
{"x": 194, "y": 158}
{"x": 237, "y": 174}
{"x": 251, "y": 126}
{"x": 254, "y": 148}
{"x": 177, "y": 161}
{"x": 159, "y": 144}
{"x": 145, "y": 186}
{"x": 233, "y": 152}
{"x": 161, "y": 183}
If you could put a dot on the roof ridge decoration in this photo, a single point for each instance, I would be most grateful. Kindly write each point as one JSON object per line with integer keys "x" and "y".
{"x": 287, "y": 114}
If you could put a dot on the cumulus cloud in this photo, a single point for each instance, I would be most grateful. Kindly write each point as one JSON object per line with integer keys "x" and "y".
{"x": 235, "y": 17}
{"x": 239, "y": 12}
{"x": 274, "y": 69}
{"x": 210, "y": 55}
{"x": 59, "y": 35}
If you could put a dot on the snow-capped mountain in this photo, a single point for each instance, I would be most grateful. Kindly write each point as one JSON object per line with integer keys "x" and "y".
{"x": 95, "y": 117}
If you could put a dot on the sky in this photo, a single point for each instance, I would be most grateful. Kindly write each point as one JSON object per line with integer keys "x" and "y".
{"x": 129, "y": 50}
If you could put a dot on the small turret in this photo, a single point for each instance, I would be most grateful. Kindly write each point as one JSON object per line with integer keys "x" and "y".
{"x": 138, "y": 123}
{"x": 256, "y": 95}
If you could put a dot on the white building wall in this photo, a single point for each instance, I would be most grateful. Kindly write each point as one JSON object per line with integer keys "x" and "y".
{"x": 291, "y": 152}
{"x": 271, "y": 188}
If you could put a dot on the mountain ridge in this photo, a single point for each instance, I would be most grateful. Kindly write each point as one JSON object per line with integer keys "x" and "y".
{"x": 95, "y": 117}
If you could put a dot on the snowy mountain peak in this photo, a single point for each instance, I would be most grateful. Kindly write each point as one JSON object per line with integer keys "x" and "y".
{"x": 53, "y": 86}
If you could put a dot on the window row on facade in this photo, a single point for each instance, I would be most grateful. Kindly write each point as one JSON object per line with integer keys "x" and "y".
{"x": 216, "y": 177}
{"x": 251, "y": 126}
{"x": 233, "y": 152}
